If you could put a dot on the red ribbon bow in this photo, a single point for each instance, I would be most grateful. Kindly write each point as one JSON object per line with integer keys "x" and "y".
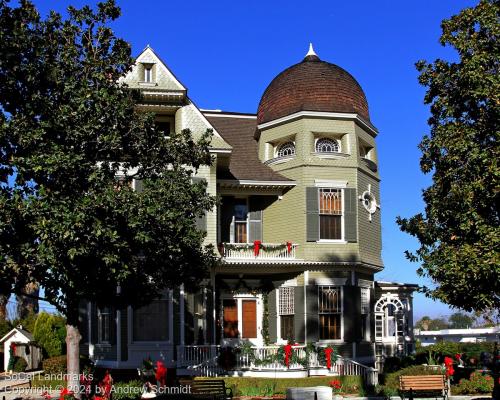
{"x": 328, "y": 356}
{"x": 161, "y": 373}
{"x": 256, "y": 247}
{"x": 289, "y": 247}
{"x": 288, "y": 352}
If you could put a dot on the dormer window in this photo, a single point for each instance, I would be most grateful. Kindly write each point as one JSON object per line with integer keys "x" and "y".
{"x": 326, "y": 145}
{"x": 286, "y": 150}
{"x": 148, "y": 73}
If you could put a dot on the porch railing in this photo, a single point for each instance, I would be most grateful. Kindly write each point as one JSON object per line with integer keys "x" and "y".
{"x": 202, "y": 360}
{"x": 267, "y": 251}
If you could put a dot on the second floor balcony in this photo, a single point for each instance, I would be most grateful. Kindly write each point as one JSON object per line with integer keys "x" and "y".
{"x": 259, "y": 251}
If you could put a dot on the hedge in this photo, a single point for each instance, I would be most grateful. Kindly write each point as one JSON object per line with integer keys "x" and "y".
{"x": 269, "y": 386}
{"x": 55, "y": 365}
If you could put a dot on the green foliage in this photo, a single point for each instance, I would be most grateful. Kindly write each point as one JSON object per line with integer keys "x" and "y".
{"x": 459, "y": 232}
{"x": 477, "y": 383}
{"x": 28, "y": 322}
{"x": 50, "y": 333}
{"x": 54, "y": 365}
{"x": 127, "y": 390}
{"x": 434, "y": 324}
{"x": 67, "y": 128}
{"x": 5, "y": 327}
{"x": 460, "y": 320}
{"x": 443, "y": 349}
{"x": 20, "y": 364}
{"x": 264, "y": 386}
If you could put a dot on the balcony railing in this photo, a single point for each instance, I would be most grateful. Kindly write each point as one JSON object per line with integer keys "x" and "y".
{"x": 262, "y": 251}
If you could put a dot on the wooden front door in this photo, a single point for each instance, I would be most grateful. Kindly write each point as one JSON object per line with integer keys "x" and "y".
{"x": 230, "y": 310}
{"x": 249, "y": 316}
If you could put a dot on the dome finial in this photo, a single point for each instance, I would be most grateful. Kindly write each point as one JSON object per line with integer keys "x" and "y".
{"x": 311, "y": 51}
{"x": 311, "y": 54}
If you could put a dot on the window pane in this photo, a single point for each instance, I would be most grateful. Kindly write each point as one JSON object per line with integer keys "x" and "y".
{"x": 163, "y": 127}
{"x": 230, "y": 322}
{"x": 329, "y": 326}
{"x": 287, "y": 328}
{"x": 286, "y": 301}
{"x": 330, "y": 227}
{"x": 330, "y": 201}
{"x": 240, "y": 232}
{"x": 150, "y": 323}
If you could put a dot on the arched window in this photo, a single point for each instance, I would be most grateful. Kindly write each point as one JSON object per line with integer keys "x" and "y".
{"x": 325, "y": 145}
{"x": 286, "y": 150}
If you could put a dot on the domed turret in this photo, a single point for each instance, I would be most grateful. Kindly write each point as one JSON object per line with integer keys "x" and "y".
{"x": 312, "y": 85}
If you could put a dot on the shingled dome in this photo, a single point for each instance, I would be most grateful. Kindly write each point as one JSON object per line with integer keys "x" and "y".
{"x": 312, "y": 85}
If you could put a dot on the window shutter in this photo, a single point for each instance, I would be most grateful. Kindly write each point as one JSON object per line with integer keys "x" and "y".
{"x": 312, "y": 313}
{"x": 226, "y": 219}
{"x": 201, "y": 222}
{"x": 350, "y": 211}
{"x": 273, "y": 315}
{"x": 312, "y": 214}
{"x": 299, "y": 313}
{"x": 255, "y": 219}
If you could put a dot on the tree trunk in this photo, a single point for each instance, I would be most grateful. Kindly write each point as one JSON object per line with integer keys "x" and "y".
{"x": 3, "y": 307}
{"x": 28, "y": 305}
{"x": 73, "y": 355}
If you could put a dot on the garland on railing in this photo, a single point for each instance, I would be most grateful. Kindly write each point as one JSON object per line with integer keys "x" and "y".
{"x": 288, "y": 355}
{"x": 261, "y": 246}
{"x": 265, "y": 319}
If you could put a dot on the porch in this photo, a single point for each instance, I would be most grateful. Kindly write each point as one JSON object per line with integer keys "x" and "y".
{"x": 261, "y": 361}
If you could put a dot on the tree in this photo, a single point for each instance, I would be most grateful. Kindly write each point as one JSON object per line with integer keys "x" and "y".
{"x": 460, "y": 320}
{"x": 459, "y": 231}
{"x": 428, "y": 324}
{"x": 68, "y": 128}
{"x": 423, "y": 323}
{"x": 47, "y": 333}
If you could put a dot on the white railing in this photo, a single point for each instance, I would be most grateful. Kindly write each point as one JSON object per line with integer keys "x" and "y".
{"x": 202, "y": 360}
{"x": 267, "y": 251}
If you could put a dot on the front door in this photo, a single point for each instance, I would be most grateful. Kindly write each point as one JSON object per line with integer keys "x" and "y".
{"x": 249, "y": 315}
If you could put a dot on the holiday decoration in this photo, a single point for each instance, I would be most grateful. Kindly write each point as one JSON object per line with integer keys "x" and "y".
{"x": 289, "y": 247}
{"x": 161, "y": 373}
{"x": 288, "y": 353}
{"x": 256, "y": 247}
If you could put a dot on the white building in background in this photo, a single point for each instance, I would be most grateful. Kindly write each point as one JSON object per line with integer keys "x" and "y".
{"x": 470, "y": 335}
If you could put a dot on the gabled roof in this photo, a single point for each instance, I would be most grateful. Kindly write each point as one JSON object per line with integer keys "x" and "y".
{"x": 238, "y": 130}
{"x": 23, "y": 332}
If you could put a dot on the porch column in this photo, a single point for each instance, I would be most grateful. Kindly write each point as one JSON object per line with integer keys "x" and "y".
{"x": 214, "y": 324}
{"x": 204, "y": 320}
{"x": 118, "y": 333}
{"x": 182, "y": 321}
{"x": 89, "y": 326}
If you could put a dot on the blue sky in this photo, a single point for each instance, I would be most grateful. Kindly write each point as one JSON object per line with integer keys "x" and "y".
{"x": 227, "y": 52}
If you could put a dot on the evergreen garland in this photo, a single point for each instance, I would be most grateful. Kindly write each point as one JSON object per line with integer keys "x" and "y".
{"x": 12, "y": 357}
{"x": 265, "y": 319}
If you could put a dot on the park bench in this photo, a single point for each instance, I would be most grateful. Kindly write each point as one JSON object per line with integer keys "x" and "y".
{"x": 423, "y": 385}
{"x": 214, "y": 389}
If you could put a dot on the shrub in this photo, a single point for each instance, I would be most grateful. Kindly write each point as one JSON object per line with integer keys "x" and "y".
{"x": 264, "y": 386}
{"x": 5, "y": 327}
{"x": 127, "y": 390}
{"x": 50, "y": 333}
{"x": 20, "y": 365}
{"x": 477, "y": 383}
{"x": 55, "y": 365}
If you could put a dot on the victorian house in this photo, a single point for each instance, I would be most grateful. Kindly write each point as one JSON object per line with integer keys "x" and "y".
{"x": 297, "y": 228}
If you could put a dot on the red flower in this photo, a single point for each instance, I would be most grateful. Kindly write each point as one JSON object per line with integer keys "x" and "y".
{"x": 457, "y": 356}
{"x": 65, "y": 392}
{"x": 335, "y": 384}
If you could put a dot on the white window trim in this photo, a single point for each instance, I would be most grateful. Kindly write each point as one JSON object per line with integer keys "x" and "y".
{"x": 148, "y": 67}
{"x": 341, "y": 340}
{"x": 342, "y": 219}
{"x": 338, "y": 141}
{"x": 368, "y": 315}
{"x": 99, "y": 327}
{"x": 239, "y": 301}
{"x": 232, "y": 236}
{"x": 289, "y": 156}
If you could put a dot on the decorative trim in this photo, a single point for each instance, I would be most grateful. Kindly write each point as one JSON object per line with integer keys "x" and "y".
{"x": 350, "y": 116}
{"x": 242, "y": 182}
{"x": 327, "y": 183}
{"x": 279, "y": 160}
{"x": 211, "y": 113}
{"x": 330, "y": 155}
